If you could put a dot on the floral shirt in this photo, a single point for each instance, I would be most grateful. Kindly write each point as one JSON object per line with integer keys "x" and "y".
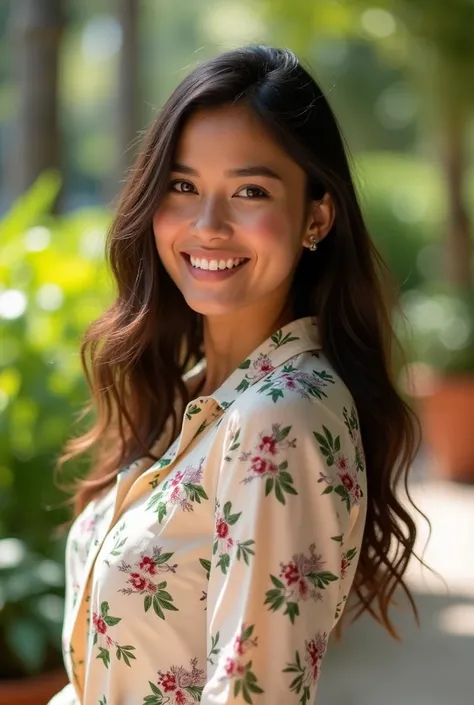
{"x": 217, "y": 573}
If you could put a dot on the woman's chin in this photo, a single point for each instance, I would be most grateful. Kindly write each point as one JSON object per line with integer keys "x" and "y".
{"x": 214, "y": 307}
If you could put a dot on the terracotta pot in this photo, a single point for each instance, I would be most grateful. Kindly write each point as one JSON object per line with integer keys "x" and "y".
{"x": 37, "y": 690}
{"x": 447, "y": 416}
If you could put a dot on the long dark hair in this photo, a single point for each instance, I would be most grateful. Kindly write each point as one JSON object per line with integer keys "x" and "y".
{"x": 134, "y": 356}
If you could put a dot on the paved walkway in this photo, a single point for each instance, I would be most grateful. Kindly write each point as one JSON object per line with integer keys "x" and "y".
{"x": 434, "y": 664}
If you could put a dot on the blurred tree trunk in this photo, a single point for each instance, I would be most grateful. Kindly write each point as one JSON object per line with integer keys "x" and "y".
{"x": 458, "y": 243}
{"x": 128, "y": 83}
{"x": 35, "y": 29}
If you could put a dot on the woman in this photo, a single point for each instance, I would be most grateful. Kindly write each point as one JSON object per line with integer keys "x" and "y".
{"x": 233, "y": 505}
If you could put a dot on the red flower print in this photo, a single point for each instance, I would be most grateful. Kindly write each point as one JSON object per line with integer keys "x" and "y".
{"x": 262, "y": 365}
{"x": 99, "y": 623}
{"x": 342, "y": 462}
{"x": 108, "y": 641}
{"x": 290, "y": 573}
{"x": 222, "y": 529}
{"x": 303, "y": 589}
{"x": 344, "y": 567}
{"x": 168, "y": 682}
{"x": 137, "y": 580}
{"x": 150, "y": 587}
{"x": 315, "y": 650}
{"x": 148, "y": 565}
{"x": 268, "y": 445}
{"x": 347, "y": 480}
{"x": 356, "y": 492}
{"x": 180, "y": 698}
{"x": 259, "y": 465}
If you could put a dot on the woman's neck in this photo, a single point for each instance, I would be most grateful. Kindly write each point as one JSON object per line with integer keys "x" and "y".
{"x": 230, "y": 339}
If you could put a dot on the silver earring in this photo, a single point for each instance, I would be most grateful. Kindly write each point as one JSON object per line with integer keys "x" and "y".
{"x": 313, "y": 243}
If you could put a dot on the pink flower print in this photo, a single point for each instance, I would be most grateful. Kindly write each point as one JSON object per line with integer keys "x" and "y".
{"x": 288, "y": 381}
{"x": 176, "y": 479}
{"x": 147, "y": 564}
{"x": 302, "y": 578}
{"x": 261, "y": 366}
{"x": 344, "y": 566}
{"x": 182, "y": 686}
{"x": 342, "y": 463}
{"x": 150, "y": 587}
{"x": 229, "y": 667}
{"x": 236, "y": 666}
{"x": 268, "y": 445}
{"x": 315, "y": 650}
{"x": 137, "y": 580}
{"x": 108, "y": 641}
{"x": 260, "y": 466}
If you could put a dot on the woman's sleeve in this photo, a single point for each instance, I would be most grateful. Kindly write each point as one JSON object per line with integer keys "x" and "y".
{"x": 285, "y": 551}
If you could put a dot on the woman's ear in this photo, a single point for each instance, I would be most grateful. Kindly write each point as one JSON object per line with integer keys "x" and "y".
{"x": 320, "y": 220}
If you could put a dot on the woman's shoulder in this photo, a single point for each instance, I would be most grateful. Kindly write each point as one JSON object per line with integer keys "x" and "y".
{"x": 305, "y": 386}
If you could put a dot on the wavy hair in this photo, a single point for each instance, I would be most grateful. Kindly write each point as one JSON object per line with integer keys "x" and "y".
{"x": 135, "y": 354}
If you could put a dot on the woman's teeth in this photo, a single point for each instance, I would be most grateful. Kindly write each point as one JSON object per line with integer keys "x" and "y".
{"x": 214, "y": 264}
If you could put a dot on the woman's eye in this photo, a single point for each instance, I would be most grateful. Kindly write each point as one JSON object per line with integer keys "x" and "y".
{"x": 251, "y": 193}
{"x": 181, "y": 186}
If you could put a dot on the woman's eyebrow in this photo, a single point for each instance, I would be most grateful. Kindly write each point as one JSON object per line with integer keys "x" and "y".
{"x": 251, "y": 170}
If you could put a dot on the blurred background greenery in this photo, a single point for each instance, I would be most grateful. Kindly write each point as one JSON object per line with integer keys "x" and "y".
{"x": 79, "y": 80}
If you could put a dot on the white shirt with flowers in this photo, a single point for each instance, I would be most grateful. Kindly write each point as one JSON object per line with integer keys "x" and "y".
{"x": 217, "y": 574}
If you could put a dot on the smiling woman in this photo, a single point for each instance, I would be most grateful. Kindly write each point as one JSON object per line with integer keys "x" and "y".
{"x": 249, "y": 440}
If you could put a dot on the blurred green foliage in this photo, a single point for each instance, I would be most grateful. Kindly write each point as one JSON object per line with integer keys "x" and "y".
{"x": 52, "y": 283}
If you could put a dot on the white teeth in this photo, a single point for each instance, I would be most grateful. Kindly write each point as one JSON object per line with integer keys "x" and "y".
{"x": 214, "y": 264}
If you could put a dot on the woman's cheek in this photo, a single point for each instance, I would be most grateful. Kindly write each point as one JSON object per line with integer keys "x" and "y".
{"x": 268, "y": 228}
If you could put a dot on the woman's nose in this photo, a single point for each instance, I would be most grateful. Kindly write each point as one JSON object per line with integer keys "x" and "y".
{"x": 212, "y": 221}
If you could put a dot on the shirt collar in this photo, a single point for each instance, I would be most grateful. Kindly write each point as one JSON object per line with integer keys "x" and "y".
{"x": 301, "y": 335}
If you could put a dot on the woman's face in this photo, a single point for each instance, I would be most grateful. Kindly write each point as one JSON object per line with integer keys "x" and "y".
{"x": 232, "y": 226}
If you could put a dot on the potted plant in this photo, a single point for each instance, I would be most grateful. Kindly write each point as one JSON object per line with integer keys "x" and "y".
{"x": 48, "y": 267}
{"x": 441, "y": 378}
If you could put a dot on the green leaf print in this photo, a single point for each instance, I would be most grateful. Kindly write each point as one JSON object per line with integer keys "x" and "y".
{"x": 192, "y": 410}
{"x": 125, "y": 652}
{"x": 103, "y": 700}
{"x": 214, "y": 649}
{"x": 279, "y": 339}
{"x": 206, "y": 565}
{"x": 104, "y": 655}
{"x": 162, "y": 600}
{"x": 244, "y": 551}
{"x": 243, "y": 385}
{"x": 195, "y": 492}
{"x": 223, "y": 563}
{"x": 245, "y": 365}
{"x": 321, "y": 580}
{"x": 230, "y": 518}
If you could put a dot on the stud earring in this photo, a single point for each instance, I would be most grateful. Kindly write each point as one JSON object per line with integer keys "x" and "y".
{"x": 313, "y": 243}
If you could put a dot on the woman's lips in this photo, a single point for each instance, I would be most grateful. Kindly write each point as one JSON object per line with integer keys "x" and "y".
{"x": 212, "y": 275}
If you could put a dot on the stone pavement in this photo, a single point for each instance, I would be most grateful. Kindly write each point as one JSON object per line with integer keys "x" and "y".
{"x": 434, "y": 664}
